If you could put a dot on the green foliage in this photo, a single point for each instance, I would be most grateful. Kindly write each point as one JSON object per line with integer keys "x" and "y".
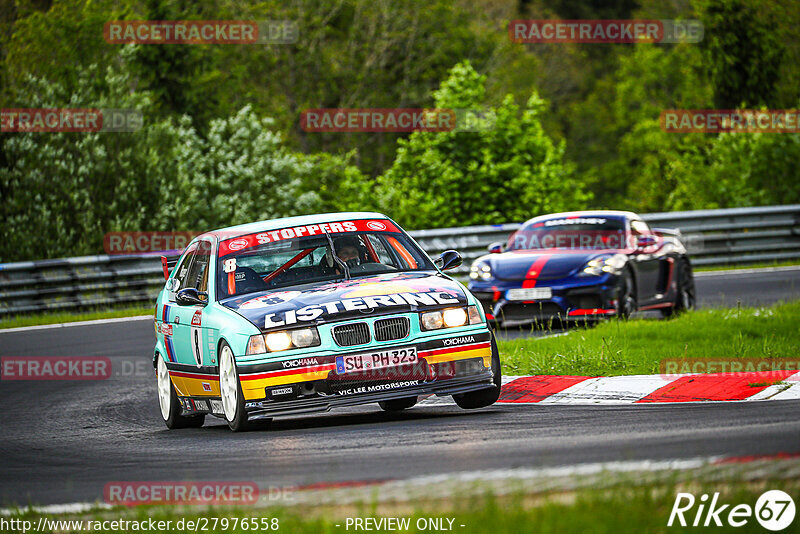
{"x": 512, "y": 171}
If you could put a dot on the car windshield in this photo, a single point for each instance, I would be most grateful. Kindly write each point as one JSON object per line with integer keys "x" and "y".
{"x": 580, "y": 233}
{"x": 290, "y": 256}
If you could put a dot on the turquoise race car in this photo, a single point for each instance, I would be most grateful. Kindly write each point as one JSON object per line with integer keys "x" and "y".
{"x": 304, "y": 314}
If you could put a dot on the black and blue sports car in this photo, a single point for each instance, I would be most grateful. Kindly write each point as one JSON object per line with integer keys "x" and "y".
{"x": 584, "y": 264}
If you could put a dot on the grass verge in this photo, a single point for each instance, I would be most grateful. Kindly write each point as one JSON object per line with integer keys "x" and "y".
{"x": 67, "y": 317}
{"x": 620, "y": 509}
{"x": 637, "y": 346}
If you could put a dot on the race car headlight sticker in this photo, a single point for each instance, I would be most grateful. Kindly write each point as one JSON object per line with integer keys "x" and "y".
{"x": 278, "y": 341}
{"x": 448, "y": 318}
{"x": 305, "y": 337}
{"x": 432, "y": 320}
{"x": 604, "y": 264}
{"x": 474, "y": 315}
{"x": 256, "y": 345}
{"x": 480, "y": 271}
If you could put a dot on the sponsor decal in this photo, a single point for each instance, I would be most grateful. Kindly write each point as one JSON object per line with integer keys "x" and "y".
{"x": 274, "y": 236}
{"x": 302, "y": 362}
{"x": 166, "y": 329}
{"x": 281, "y": 391}
{"x": 378, "y": 387}
{"x": 216, "y": 407}
{"x": 206, "y": 386}
{"x": 376, "y": 225}
{"x": 269, "y": 300}
{"x": 197, "y": 318}
{"x": 458, "y": 341}
{"x": 200, "y": 405}
{"x": 315, "y": 311}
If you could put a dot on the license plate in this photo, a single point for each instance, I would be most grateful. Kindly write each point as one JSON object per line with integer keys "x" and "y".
{"x": 378, "y": 359}
{"x": 530, "y": 293}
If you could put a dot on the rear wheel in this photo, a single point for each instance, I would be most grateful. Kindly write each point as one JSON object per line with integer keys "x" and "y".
{"x": 168, "y": 402}
{"x": 685, "y": 299}
{"x": 484, "y": 397}
{"x": 231, "y": 390}
{"x": 397, "y": 405}
{"x": 626, "y": 295}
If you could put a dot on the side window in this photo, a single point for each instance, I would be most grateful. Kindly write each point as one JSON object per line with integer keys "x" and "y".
{"x": 197, "y": 277}
{"x": 183, "y": 267}
{"x": 380, "y": 249}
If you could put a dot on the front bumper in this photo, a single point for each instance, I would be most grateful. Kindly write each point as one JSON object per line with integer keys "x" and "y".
{"x": 572, "y": 299}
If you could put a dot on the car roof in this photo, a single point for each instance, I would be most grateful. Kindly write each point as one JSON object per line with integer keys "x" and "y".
{"x": 586, "y": 213}
{"x": 286, "y": 222}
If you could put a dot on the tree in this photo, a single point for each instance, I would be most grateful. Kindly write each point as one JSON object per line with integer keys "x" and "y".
{"x": 510, "y": 172}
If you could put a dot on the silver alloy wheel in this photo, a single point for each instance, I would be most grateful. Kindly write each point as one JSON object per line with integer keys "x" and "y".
{"x": 228, "y": 383}
{"x": 164, "y": 388}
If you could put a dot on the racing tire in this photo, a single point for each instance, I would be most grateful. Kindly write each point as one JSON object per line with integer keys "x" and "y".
{"x": 230, "y": 390}
{"x": 484, "y": 397}
{"x": 685, "y": 298}
{"x": 168, "y": 401}
{"x": 397, "y": 405}
{"x": 626, "y": 297}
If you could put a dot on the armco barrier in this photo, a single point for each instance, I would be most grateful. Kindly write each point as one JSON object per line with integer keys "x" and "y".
{"x": 713, "y": 237}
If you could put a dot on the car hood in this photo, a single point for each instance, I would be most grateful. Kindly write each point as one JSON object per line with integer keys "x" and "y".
{"x": 548, "y": 265}
{"x": 341, "y": 300}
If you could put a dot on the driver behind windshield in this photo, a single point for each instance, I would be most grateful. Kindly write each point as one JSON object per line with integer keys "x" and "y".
{"x": 347, "y": 249}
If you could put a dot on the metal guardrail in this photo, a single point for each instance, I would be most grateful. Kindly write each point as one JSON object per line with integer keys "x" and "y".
{"x": 713, "y": 237}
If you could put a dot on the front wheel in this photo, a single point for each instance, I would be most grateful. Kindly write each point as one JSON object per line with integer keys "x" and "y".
{"x": 488, "y": 396}
{"x": 168, "y": 402}
{"x": 231, "y": 390}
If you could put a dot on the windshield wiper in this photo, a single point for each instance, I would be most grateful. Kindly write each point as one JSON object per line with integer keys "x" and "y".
{"x": 337, "y": 259}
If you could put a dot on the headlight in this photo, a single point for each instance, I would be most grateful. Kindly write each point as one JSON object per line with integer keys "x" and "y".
{"x": 604, "y": 264}
{"x": 449, "y": 318}
{"x": 283, "y": 340}
{"x": 480, "y": 270}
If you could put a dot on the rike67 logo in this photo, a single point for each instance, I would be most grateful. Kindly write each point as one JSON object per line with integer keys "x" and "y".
{"x": 774, "y": 510}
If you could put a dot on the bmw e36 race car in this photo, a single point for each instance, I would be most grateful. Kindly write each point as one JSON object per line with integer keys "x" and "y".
{"x": 305, "y": 314}
{"x": 582, "y": 265}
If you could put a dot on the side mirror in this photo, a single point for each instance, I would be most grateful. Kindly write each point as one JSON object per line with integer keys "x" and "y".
{"x": 165, "y": 267}
{"x": 645, "y": 241}
{"x": 450, "y": 259}
{"x": 496, "y": 247}
{"x": 189, "y": 296}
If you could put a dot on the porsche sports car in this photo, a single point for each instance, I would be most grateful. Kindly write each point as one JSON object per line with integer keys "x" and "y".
{"x": 305, "y": 314}
{"x": 583, "y": 264}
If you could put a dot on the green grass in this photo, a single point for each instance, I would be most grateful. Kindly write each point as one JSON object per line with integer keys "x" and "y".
{"x": 67, "y": 317}
{"x": 760, "y": 265}
{"x": 612, "y": 511}
{"x": 637, "y": 346}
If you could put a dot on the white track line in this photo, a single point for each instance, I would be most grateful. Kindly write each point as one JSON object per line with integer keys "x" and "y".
{"x": 703, "y": 274}
{"x": 76, "y": 323}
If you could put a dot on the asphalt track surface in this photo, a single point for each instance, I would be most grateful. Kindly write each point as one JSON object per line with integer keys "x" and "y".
{"x": 62, "y": 442}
